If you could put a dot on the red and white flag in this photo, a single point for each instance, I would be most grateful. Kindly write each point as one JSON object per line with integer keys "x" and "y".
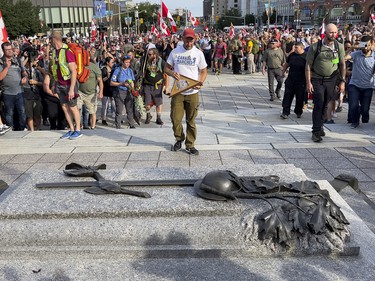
{"x": 166, "y": 14}
{"x": 231, "y": 31}
{"x": 93, "y": 30}
{"x": 3, "y": 33}
{"x": 322, "y": 30}
{"x": 154, "y": 31}
{"x": 194, "y": 21}
{"x": 164, "y": 30}
{"x": 373, "y": 18}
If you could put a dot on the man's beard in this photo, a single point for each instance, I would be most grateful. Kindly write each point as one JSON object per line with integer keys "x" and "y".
{"x": 331, "y": 39}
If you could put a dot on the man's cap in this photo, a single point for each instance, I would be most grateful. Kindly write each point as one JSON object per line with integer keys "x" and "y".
{"x": 188, "y": 33}
{"x": 274, "y": 41}
{"x": 363, "y": 44}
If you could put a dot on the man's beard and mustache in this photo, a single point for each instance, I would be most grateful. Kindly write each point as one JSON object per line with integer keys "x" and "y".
{"x": 331, "y": 39}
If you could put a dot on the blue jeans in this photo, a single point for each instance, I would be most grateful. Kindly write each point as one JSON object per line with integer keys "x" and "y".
{"x": 11, "y": 102}
{"x": 359, "y": 103}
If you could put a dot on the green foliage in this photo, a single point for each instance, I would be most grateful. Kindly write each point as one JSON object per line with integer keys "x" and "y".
{"x": 21, "y": 17}
{"x": 272, "y": 17}
{"x": 149, "y": 13}
{"x": 231, "y": 16}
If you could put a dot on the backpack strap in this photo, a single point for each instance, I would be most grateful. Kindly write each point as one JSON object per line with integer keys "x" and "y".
{"x": 317, "y": 52}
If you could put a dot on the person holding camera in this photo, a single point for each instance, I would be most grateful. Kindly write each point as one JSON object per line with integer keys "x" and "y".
{"x": 12, "y": 77}
{"x": 32, "y": 92}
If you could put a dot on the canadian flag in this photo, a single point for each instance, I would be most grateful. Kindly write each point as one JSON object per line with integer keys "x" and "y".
{"x": 154, "y": 31}
{"x": 164, "y": 30}
{"x": 93, "y": 30}
{"x": 373, "y": 18}
{"x": 231, "y": 31}
{"x": 194, "y": 21}
{"x": 3, "y": 33}
{"x": 322, "y": 30}
{"x": 166, "y": 14}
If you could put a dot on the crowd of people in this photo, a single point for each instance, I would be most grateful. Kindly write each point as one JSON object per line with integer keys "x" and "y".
{"x": 39, "y": 84}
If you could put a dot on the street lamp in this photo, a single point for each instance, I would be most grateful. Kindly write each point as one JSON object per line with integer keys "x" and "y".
{"x": 136, "y": 19}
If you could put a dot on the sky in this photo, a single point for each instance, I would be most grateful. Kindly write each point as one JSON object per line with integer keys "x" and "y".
{"x": 195, "y": 6}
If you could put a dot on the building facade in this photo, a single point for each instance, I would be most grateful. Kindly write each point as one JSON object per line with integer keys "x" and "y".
{"x": 337, "y": 11}
{"x": 66, "y": 15}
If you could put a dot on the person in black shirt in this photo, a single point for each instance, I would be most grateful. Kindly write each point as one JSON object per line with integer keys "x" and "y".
{"x": 295, "y": 84}
{"x": 152, "y": 86}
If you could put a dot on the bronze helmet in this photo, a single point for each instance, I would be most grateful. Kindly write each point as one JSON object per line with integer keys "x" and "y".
{"x": 218, "y": 185}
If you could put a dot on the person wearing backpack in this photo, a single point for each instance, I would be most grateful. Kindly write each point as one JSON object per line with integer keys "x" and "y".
{"x": 64, "y": 71}
{"x": 152, "y": 85}
{"x": 325, "y": 66}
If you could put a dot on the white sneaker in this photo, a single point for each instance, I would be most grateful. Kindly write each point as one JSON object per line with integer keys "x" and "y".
{"x": 334, "y": 114}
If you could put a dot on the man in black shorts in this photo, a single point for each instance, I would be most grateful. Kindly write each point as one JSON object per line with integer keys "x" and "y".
{"x": 153, "y": 84}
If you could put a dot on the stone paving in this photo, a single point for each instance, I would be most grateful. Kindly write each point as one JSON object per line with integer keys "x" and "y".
{"x": 237, "y": 125}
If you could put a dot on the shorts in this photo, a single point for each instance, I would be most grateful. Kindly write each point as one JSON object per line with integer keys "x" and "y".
{"x": 33, "y": 108}
{"x": 90, "y": 101}
{"x": 219, "y": 60}
{"x": 153, "y": 94}
{"x": 62, "y": 92}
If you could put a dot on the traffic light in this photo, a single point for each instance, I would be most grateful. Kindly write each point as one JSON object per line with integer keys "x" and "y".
{"x": 217, "y": 18}
{"x": 141, "y": 20}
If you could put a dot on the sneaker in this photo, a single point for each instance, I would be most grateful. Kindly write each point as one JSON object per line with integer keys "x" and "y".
{"x": 284, "y": 116}
{"x": 132, "y": 127}
{"x": 272, "y": 98}
{"x": 104, "y": 122}
{"x": 66, "y": 135}
{"x": 192, "y": 150}
{"x": 75, "y": 135}
{"x": 329, "y": 122}
{"x": 316, "y": 137}
{"x": 339, "y": 109}
{"x": 298, "y": 115}
{"x": 334, "y": 115}
{"x": 46, "y": 123}
{"x": 4, "y": 129}
{"x": 177, "y": 146}
{"x": 322, "y": 133}
{"x": 354, "y": 125}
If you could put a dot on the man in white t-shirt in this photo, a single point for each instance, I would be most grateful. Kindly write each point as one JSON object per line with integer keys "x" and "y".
{"x": 189, "y": 61}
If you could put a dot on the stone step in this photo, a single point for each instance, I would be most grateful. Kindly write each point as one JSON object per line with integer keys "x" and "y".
{"x": 174, "y": 222}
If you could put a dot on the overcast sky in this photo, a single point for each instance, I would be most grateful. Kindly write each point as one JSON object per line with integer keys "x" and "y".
{"x": 195, "y": 6}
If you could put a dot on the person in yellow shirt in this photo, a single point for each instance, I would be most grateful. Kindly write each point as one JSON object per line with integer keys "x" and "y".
{"x": 249, "y": 53}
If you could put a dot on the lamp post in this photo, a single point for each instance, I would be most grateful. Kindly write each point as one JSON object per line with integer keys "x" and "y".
{"x": 136, "y": 16}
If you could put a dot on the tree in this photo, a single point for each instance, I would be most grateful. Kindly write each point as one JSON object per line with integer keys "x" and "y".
{"x": 272, "y": 17}
{"x": 250, "y": 19}
{"x": 233, "y": 16}
{"x": 21, "y": 18}
{"x": 148, "y": 12}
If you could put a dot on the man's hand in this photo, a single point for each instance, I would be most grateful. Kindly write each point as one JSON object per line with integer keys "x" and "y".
{"x": 263, "y": 71}
{"x": 309, "y": 88}
{"x": 24, "y": 80}
{"x": 176, "y": 75}
{"x": 71, "y": 94}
